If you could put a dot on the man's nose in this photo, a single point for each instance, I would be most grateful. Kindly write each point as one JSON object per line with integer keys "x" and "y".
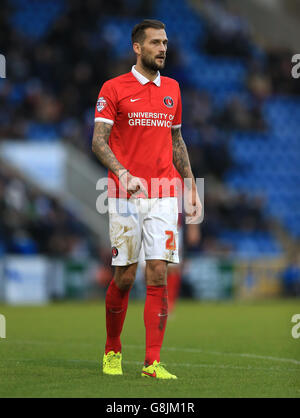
{"x": 163, "y": 48}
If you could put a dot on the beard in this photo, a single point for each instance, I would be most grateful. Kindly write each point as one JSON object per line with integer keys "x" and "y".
{"x": 149, "y": 63}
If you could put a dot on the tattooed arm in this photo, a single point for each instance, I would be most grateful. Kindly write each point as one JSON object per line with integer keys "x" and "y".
{"x": 104, "y": 154}
{"x": 103, "y": 151}
{"x": 181, "y": 162}
{"x": 180, "y": 156}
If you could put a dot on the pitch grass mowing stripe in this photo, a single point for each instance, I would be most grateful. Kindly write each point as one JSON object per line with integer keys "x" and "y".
{"x": 201, "y": 365}
{"x": 180, "y": 349}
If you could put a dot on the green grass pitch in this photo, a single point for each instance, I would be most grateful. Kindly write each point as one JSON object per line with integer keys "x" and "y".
{"x": 224, "y": 349}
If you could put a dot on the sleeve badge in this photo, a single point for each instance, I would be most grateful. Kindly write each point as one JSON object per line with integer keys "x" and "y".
{"x": 101, "y": 103}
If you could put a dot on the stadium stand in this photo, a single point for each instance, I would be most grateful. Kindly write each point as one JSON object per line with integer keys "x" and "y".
{"x": 241, "y": 110}
{"x": 33, "y": 222}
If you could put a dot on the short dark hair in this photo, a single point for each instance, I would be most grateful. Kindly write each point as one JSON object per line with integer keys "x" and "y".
{"x": 138, "y": 32}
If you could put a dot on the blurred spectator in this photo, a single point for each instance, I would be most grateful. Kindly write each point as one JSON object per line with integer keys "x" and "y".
{"x": 227, "y": 32}
{"x": 105, "y": 272}
{"x": 197, "y": 108}
{"x": 259, "y": 86}
{"x": 215, "y": 149}
{"x": 237, "y": 116}
{"x": 279, "y": 68}
{"x": 291, "y": 277}
{"x": 32, "y": 222}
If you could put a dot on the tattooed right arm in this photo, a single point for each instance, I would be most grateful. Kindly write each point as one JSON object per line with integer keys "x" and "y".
{"x": 102, "y": 150}
{"x": 104, "y": 153}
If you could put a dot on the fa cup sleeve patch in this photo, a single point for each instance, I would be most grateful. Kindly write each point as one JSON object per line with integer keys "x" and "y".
{"x": 101, "y": 103}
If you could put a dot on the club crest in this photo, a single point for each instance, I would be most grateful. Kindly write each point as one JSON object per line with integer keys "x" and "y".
{"x": 168, "y": 101}
{"x": 114, "y": 252}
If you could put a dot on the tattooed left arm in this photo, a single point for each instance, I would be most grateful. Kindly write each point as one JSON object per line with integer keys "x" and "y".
{"x": 180, "y": 156}
{"x": 181, "y": 161}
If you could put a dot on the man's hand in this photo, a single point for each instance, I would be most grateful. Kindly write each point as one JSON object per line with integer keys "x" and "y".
{"x": 192, "y": 206}
{"x": 134, "y": 186}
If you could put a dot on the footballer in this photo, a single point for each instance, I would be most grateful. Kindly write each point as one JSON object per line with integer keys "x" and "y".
{"x": 137, "y": 136}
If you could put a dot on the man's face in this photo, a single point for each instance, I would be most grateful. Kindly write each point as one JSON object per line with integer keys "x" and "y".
{"x": 154, "y": 48}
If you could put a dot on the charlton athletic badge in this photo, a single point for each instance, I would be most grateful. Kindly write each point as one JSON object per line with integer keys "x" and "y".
{"x": 101, "y": 103}
{"x": 168, "y": 101}
{"x": 114, "y": 252}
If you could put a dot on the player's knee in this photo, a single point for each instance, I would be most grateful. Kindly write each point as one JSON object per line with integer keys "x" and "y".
{"x": 126, "y": 282}
{"x": 125, "y": 276}
{"x": 158, "y": 273}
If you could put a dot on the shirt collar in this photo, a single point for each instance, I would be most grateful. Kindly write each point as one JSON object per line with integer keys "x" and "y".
{"x": 144, "y": 80}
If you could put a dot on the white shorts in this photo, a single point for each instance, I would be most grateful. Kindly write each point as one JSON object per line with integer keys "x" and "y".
{"x": 152, "y": 222}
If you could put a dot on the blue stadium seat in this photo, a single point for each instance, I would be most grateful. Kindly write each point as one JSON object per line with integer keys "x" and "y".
{"x": 2, "y": 248}
{"x": 34, "y": 17}
{"x": 23, "y": 245}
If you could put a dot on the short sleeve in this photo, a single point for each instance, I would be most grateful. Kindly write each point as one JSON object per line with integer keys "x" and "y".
{"x": 177, "y": 117}
{"x": 106, "y": 106}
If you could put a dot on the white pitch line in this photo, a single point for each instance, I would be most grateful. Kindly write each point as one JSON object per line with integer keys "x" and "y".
{"x": 219, "y": 366}
{"x": 180, "y": 349}
{"x": 219, "y": 353}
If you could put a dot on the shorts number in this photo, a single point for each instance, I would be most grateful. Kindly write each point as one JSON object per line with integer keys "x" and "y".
{"x": 170, "y": 243}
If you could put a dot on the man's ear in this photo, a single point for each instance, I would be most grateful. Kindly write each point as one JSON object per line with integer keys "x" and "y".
{"x": 137, "y": 48}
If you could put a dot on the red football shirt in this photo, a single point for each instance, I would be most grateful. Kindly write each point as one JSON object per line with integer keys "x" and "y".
{"x": 142, "y": 113}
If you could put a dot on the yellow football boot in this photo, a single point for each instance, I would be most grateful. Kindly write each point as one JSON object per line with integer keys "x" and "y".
{"x": 157, "y": 371}
{"x": 112, "y": 363}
